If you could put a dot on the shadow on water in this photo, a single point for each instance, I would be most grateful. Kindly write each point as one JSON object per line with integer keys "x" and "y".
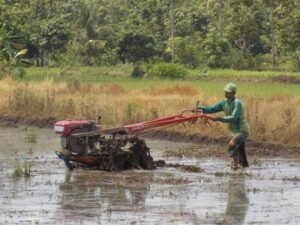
{"x": 238, "y": 202}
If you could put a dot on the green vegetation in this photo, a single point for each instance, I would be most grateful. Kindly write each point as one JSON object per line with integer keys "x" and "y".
{"x": 22, "y": 170}
{"x": 168, "y": 70}
{"x": 31, "y": 135}
{"x": 230, "y": 73}
{"x": 214, "y": 34}
{"x": 120, "y": 75}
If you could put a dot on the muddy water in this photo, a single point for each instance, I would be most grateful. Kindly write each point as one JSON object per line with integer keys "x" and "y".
{"x": 267, "y": 193}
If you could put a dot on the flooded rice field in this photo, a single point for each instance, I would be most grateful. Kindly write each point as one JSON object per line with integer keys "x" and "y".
{"x": 266, "y": 193}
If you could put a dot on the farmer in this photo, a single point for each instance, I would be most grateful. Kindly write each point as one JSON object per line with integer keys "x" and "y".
{"x": 234, "y": 116}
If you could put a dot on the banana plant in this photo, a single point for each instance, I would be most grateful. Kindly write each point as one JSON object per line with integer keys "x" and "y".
{"x": 10, "y": 57}
{"x": 15, "y": 60}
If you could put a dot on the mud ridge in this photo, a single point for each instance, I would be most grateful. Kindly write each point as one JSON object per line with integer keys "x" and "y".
{"x": 256, "y": 147}
{"x": 287, "y": 79}
{"x": 13, "y": 121}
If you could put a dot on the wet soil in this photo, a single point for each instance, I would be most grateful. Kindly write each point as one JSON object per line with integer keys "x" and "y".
{"x": 266, "y": 193}
{"x": 261, "y": 148}
{"x": 15, "y": 121}
{"x": 255, "y": 147}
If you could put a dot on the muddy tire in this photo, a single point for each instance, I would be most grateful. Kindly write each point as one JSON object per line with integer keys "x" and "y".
{"x": 141, "y": 154}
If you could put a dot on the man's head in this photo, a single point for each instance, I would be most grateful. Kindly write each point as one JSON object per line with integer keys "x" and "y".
{"x": 230, "y": 90}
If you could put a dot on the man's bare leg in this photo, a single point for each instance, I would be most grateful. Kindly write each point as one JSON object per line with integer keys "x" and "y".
{"x": 234, "y": 154}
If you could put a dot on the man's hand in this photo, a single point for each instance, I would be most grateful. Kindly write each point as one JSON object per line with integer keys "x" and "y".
{"x": 213, "y": 118}
{"x": 195, "y": 110}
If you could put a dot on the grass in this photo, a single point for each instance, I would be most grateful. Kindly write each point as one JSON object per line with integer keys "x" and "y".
{"x": 251, "y": 89}
{"x": 86, "y": 74}
{"x": 31, "y": 136}
{"x": 243, "y": 73}
{"x": 22, "y": 170}
{"x": 109, "y": 73}
{"x": 120, "y": 75}
{"x": 271, "y": 107}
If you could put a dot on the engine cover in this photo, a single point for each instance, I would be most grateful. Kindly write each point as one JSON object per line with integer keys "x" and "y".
{"x": 66, "y": 127}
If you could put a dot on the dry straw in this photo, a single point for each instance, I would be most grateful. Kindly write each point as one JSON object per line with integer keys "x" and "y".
{"x": 273, "y": 119}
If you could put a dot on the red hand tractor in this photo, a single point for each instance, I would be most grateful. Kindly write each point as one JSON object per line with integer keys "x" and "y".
{"x": 84, "y": 144}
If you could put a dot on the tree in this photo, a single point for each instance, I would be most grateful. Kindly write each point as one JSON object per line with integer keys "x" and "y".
{"x": 216, "y": 51}
{"x": 271, "y": 12}
{"x": 257, "y": 32}
{"x": 135, "y": 47}
{"x": 53, "y": 38}
{"x": 286, "y": 30}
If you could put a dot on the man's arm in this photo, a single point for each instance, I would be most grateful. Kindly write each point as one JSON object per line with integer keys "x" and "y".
{"x": 234, "y": 115}
{"x": 218, "y": 107}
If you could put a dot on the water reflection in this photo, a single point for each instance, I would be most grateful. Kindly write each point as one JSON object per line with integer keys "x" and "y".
{"x": 92, "y": 194}
{"x": 238, "y": 202}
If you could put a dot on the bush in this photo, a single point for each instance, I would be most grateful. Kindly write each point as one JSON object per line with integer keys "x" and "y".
{"x": 138, "y": 71}
{"x": 243, "y": 60}
{"x": 109, "y": 57}
{"x": 286, "y": 65}
{"x": 265, "y": 62}
{"x": 168, "y": 70}
{"x": 19, "y": 73}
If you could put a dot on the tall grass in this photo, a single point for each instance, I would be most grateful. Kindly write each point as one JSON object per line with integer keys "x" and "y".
{"x": 274, "y": 118}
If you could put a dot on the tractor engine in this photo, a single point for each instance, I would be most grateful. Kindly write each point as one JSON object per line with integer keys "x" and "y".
{"x": 85, "y": 145}
{"x": 66, "y": 128}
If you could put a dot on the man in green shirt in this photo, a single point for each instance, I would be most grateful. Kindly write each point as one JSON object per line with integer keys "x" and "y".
{"x": 234, "y": 116}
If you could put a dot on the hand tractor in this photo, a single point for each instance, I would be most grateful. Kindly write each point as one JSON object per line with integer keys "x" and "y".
{"x": 85, "y": 145}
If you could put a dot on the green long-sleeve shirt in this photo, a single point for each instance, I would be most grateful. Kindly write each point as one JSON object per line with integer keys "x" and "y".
{"x": 234, "y": 114}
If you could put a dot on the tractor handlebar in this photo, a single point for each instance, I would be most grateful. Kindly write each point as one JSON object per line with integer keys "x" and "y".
{"x": 197, "y": 111}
